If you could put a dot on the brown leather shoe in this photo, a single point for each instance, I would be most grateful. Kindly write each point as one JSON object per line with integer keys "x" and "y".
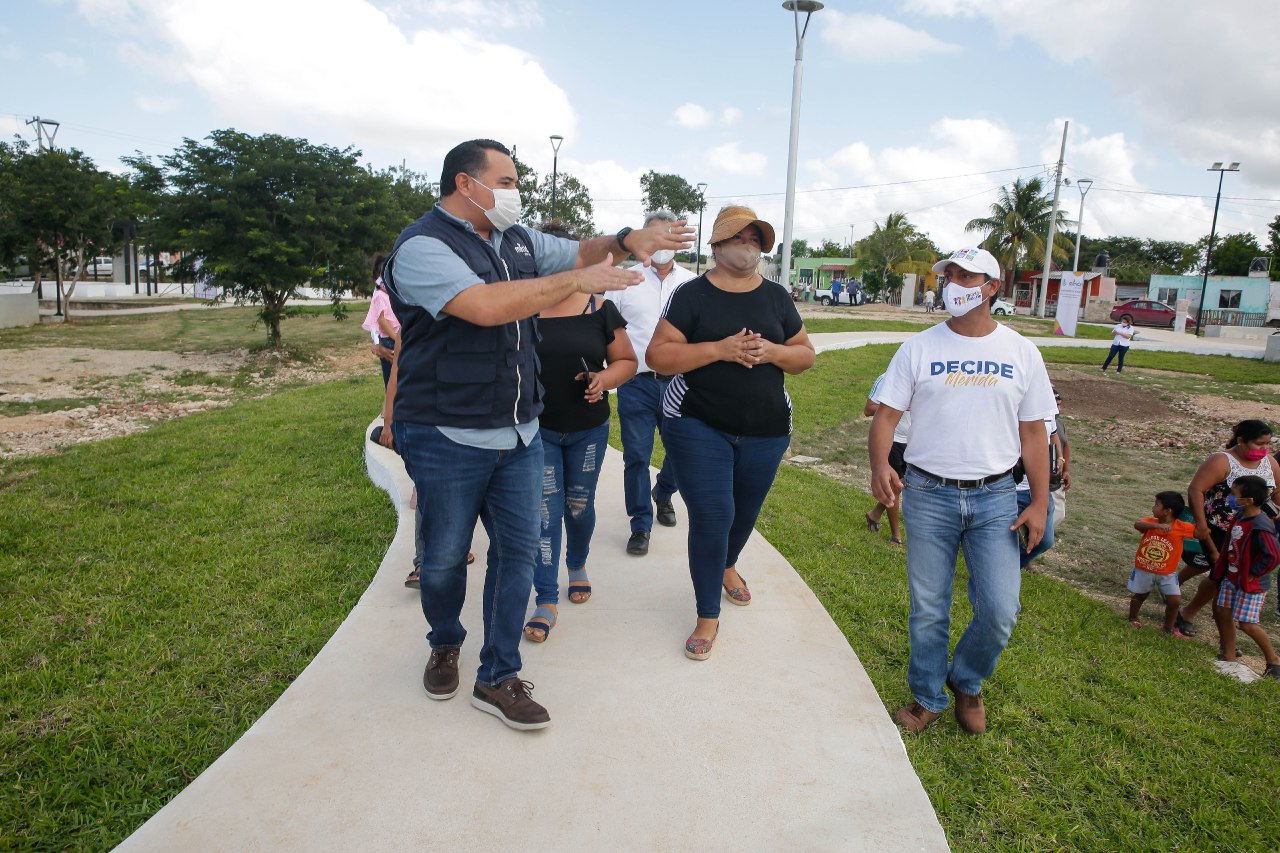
{"x": 511, "y": 702}
{"x": 915, "y": 717}
{"x": 441, "y": 675}
{"x": 970, "y": 713}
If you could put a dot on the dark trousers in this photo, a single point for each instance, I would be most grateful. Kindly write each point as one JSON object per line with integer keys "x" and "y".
{"x": 1116, "y": 350}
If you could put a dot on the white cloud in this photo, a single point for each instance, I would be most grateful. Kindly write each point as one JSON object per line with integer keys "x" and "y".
{"x": 66, "y": 62}
{"x": 877, "y": 39}
{"x": 156, "y": 104}
{"x": 615, "y": 192}
{"x": 326, "y": 64}
{"x": 1202, "y": 75}
{"x": 508, "y": 14}
{"x": 731, "y": 115}
{"x": 692, "y": 116}
{"x": 732, "y": 159}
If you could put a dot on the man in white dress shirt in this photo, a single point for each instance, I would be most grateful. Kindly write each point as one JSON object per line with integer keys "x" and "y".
{"x": 640, "y": 399}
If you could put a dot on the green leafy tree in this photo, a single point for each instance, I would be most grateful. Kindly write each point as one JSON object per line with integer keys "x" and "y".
{"x": 573, "y": 206}
{"x": 265, "y": 215}
{"x": 61, "y": 207}
{"x": 1137, "y": 259}
{"x": 801, "y": 249}
{"x": 1232, "y": 254}
{"x": 670, "y": 192}
{"x": 831, "y": 249}
{"x": 1016, "y": 228}
{"x": 1273, "y": 247}
{"x": 892, "y": 248}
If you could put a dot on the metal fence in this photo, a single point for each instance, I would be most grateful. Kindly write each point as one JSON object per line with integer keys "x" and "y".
{"x": 1226, "y": 317}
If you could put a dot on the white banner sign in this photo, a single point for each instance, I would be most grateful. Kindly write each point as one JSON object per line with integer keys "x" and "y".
{"x": 1070, "y": 289}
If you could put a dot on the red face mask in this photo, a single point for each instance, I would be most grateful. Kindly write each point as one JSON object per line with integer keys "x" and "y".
{"x": 1255, "y": 454}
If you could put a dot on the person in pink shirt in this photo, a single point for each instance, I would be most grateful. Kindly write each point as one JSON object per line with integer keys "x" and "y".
{"x": 381, "y": 323}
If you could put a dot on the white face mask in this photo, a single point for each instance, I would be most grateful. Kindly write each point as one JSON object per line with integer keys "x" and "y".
{"x": 663, "y": 256}
{"x": 741, "y": 257}
{"x": 961, "y": 300}
{"x": 506, "y": 208}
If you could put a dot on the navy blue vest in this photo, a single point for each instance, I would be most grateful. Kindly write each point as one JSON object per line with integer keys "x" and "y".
{"x": 457, "y": 374}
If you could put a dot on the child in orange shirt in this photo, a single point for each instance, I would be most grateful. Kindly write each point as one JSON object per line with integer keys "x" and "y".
{"x": 1156, "y": 562}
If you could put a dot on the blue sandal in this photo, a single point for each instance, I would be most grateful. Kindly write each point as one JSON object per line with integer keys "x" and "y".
{"x": 578, "y": 585}
{"x": 540, "y": 612}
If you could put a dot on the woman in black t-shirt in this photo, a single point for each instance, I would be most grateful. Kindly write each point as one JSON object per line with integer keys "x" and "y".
{"x": 729, "y": 336}
{"x": 583, "y": 331}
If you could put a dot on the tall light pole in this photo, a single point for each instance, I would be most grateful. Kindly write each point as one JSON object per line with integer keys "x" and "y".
{"x": 1053, "y": 224}
{"x": 702, "y": 205}
{"x": 1083, "y": 185}
{"x": 795, "y": 7}
{"x": 1213, "y": 230}
{"x": 851, "y": 230}
{"x": 556, "y": 139}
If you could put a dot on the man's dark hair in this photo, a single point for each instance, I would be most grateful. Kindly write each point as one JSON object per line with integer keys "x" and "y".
{"x": 1172, "y": 501}
{"x": 1254, "y": 488}
{"x": 467, "y": 158}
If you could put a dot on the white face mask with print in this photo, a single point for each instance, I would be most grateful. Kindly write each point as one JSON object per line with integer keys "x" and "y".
{"x": 506, "y": 208}
{"x": 961, "y": 300}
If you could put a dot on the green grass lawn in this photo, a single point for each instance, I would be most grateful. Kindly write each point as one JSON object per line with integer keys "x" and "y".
{"x": 307, "y": 329}
{"x": 161, "y": 590}
{"x": 1101, "y": 738}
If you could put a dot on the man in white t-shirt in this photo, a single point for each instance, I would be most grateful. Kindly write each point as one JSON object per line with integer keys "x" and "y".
{"x": 640, "y": 398}
{"x": 978, "y": 393}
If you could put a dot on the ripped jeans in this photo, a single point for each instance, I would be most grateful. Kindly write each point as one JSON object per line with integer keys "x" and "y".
{"x": 571, "y": 470}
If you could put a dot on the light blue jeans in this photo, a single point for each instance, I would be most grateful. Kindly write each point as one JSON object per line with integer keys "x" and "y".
{"x": 941, "y": 520}
{"x": 570, "y": 471}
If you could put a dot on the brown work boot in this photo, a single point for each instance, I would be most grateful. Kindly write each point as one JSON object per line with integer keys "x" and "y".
{"x": 510, "y": 702}
{"x": 915, "y": 717}
{"x": 441, "y": 675}
{"x": 970, "y": 714}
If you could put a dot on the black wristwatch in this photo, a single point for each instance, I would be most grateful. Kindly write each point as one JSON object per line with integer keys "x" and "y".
{"x": 621, "y": 237}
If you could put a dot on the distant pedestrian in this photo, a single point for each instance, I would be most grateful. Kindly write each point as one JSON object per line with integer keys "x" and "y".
{"x": 1122, "y": 336}
{"x": 928, "y": 301}
{"x": 381, "y": 323}
{"x": 836, "y": 287}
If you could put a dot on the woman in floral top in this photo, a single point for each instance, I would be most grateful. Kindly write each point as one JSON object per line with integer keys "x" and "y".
{"x": 1209, "y": 498}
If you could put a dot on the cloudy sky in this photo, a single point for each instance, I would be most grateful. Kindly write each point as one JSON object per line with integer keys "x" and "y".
{"x": 923, "y": 106}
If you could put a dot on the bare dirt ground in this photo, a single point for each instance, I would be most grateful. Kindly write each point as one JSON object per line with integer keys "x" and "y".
{"x": 55, "y": 397}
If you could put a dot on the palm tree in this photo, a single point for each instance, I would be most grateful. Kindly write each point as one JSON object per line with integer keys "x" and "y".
{"x": 891, "y": 249}
{"x": 1016, "y": 228}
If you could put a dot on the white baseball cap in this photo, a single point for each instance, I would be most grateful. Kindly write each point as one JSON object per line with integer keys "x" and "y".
{"x": 973, "y": 260}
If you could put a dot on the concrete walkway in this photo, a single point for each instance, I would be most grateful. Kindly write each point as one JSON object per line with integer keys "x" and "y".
{"x": 777, "y": 742}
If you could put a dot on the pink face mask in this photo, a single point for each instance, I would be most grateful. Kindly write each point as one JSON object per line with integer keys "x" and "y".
{"x": 1255, "y": 454}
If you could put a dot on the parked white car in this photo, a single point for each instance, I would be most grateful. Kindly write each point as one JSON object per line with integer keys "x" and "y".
{"x": 1001, "y": 307}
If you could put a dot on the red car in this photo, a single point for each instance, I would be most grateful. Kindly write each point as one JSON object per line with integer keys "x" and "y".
{"x": 1148, "y": 312}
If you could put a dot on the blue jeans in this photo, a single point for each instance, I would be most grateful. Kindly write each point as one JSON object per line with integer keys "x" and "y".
{"x": 639, "y": 415}
{"x": 571, "y": 470}
{"x": 389, "y": 343}
{"x": 1046, "y": 541}
{"x": 456, "y": 484}
{"x": 1121, "y": 351}
{"x": 943, "y": 519}
{"x": 724, "y": 480}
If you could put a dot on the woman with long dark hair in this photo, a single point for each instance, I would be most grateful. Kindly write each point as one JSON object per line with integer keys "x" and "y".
{"x": 1209, "y": 498}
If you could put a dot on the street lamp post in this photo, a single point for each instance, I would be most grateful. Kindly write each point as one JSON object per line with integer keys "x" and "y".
{"x": 702, "y": 205}
{"x": 1084, "y": 184}
{"x": 1213, "y": 230}
{"x": 556, "y": 139}
{"x": 795, "y": 7}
